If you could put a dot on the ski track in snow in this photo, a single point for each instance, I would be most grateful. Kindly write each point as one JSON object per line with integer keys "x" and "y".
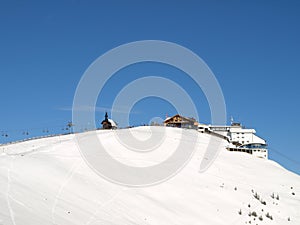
{"x": 8, "y": 197}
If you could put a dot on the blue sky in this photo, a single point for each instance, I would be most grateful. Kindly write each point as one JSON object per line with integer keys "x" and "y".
{"x": 252, "y": 47}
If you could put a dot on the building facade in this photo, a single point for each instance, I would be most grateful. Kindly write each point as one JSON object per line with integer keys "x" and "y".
{"x": 181, "y": 122}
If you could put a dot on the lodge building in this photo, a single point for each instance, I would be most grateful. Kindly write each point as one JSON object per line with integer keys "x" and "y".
{"x": 181, "y": 122}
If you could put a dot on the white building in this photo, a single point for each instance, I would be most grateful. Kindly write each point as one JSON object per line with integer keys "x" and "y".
{"x": 240, "y": 138}
{"x": 240, "y": 135}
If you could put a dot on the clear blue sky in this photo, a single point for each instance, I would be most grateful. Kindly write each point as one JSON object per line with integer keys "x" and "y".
{"x": 252, "y": 47}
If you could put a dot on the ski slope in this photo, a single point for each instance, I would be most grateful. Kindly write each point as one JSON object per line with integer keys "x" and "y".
{"x": 46, "y": 181}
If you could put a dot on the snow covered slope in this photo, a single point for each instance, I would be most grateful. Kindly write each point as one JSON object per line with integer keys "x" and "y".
{"x": 46, "y": 181}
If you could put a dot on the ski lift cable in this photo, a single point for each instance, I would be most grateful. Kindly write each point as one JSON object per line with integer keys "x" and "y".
{"x": 284, "y": 156}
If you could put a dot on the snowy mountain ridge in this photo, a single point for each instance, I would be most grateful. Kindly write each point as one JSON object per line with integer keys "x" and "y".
{"x": 46, "y": 181}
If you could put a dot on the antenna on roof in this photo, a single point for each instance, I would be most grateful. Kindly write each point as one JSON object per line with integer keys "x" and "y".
{"x": 231, "y": 120}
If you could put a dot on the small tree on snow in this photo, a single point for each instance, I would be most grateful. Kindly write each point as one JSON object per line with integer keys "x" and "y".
{"x": 240, "y": 212}
{"x": 256, "y": 196}
{"x": 273, "y": 195}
